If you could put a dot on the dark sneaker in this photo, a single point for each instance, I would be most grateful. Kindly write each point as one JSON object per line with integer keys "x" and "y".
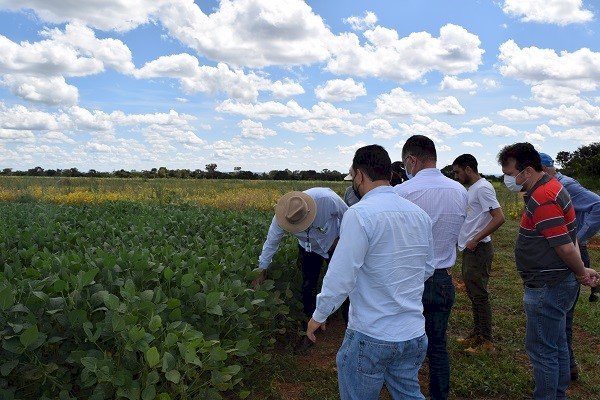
{"x": 471, "y": 340}
{"x": 594, "y": 294}
{"x": 303, "y": 347}
{"x": 575, "y": 372}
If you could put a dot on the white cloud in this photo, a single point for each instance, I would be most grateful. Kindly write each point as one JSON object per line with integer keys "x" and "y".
{"x": 340, "y": 90}
{"x": 16, "y": 135}
{"x": 255, "y": 130}
{"x": 263, "y": 110}
{"x": 382, "y": 129}
{"x": 253, "y": 33}
{"x": 21, "y": 118}
{"x": 452, "y": 82}
{"x": 478, "y": 121}
{"x": 471, "y": 144}
{"x": 235, "y": 150}
{"x": 401, "y": 102}
{"x": 443, "y": 148}
{"x": 51, "y": 90}
{"x": 55, "y": 137}
{"x": 560, "y": 12}
{"x": 362, "y": 23}
{"x": 499, "y": 130}
{"x": 350, "y": 149}
{"x": 385, "y": 55}
{"x": 431, "y": 128}
{"x": 489, "y": 83}
{"x": 120, "y": 15}
{"x": 547, "y": 93}
{"x": 286, "y": 88}
{"x": 578, "y": 113}
{"x": 577, "y": 70}
{"x": 324, "y": 126}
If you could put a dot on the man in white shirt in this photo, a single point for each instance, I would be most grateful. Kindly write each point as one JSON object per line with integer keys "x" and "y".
{"x": 484, "y": 217}
{"x": 383, "y": 257}
{"x": 313, "y": 217}
{"x": 445, "y": 201}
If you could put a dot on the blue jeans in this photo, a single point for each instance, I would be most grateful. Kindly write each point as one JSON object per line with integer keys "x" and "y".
{"x": 546, "y": 339}
{"x": 585, "y": 257}
{"x": 438, "y": 299}
{"x": 364, "y": 364}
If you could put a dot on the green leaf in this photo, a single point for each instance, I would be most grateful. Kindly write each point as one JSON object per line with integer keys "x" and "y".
{"x": 7, "y": 298}
{"x": 88, "y": 277}
{"x": 169, "y": 362}
{"x": 163, "y": 396}
{"x": 232, "y": 369}
{"x": 118, "y": 323}
{"x": 149, "y": 393}
{"x": 216, "y": 310}
{"x": 212, "y": 299}
{"x": 218, "y": 354}
{"x": 170, "y": 340}
{"x": 136, "y": 333}
{"x": 168, "y": 273}
{"x": 29, "y": 336}
{"x": 111, "y": 301}
{"x": 152, "y": 378}
{"x": 187, "y": 280}
{"x": 242, "y": 347}
{"x": 173, "y": 376}
{"x": 8, "y": 366}
{"x": 244, "y": 394}
{"x": 90, "y": 363}
{"x": 152, "y": 357}
{"x": 155, "y": 323}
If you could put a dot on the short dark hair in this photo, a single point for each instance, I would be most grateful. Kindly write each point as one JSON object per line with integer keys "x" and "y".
{"x": 421, "y": 147}
{"x": 374, "y": 161}
{"x": 466, "y": 160}
{"x": 397, "y": 166}
{"x": 524, "y": 154}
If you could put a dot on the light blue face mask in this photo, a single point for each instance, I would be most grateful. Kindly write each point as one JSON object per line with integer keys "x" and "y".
{"x": 511, "y": 183}
{"x": 408, "y": 174}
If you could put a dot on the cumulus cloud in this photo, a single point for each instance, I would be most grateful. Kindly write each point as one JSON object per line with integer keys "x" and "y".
{"x": 452, "y": 82}
{"x": 386, "y": 55}
{"x": 234, "y": 82}
{"x": 49, "y": 90}
{"x": 547, "y": 93}
{"x": 431, "y": 128}
{"x": 20, "y": 117}
{"x": 471, "y": 144}
{"x": 499, "y": 130}
{"x": 236, "y": 150}
{"x": 340, "y": 90}
{"x": 362, "y": 23}
{"x": 578, "y": 113}
{"x": 560, "y": 12}
{"x": 266, "y": 110}
{"x": 382, "y": 129}
{"x": 478, "y": 121}
{"x": 401, "y": 102}
{"x": 16, "y": 135}
{"x": 255, "y": 130}
{"x": 324, "y": 126}
{"x": 55, "y": 137}
{"x": 350, "y": 149}
{"x": 578, "y": 70}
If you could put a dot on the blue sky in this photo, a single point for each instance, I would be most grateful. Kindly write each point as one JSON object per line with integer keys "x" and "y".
{"x": 264, "y": 84}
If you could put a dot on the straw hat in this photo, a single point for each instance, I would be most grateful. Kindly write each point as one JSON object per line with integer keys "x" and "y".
{"x": 295, "y": 211}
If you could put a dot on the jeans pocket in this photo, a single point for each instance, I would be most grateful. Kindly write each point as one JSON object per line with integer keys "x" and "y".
{"x": 416, "y": 350}
{"x": 373, "y": 357}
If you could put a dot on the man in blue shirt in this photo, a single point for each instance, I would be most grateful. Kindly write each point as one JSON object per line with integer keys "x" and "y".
{"x": 382, "y": 260}
{"x": 313, "y": 217}
{"x": 587, "y": 214}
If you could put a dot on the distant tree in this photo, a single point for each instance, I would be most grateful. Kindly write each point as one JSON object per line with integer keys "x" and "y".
{"x": 162, "y": 172}
{"x": 237, "y": 169}
{"x": 211, "y": 168}
{"x": 585, "y": 161}
{"x": 7, "y": 171}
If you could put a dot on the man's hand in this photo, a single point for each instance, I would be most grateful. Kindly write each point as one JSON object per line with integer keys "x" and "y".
{"x": 590, "y": 277}
{"x": 312, "y": 328}
{"x": 472, "y": 244}
{"x": 259, "y": 279}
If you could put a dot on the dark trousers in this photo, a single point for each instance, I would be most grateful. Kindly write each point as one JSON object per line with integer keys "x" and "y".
{"x": 476, "y": 267}
{"x": 585, "y": 257}
{"x": 311, "y": 264}
{"x": 438, "y": 299}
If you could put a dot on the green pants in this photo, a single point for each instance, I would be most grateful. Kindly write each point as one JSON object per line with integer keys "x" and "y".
{"x": 476, "y": 267}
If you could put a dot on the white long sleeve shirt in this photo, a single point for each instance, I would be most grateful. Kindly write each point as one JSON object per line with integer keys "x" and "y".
{"x": 445, "y": 201}
{"x": 321, "y": 234}
{"x": 383, "y": 257}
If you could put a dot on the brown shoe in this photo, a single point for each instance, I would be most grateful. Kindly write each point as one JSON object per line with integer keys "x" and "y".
{"x": 575, "y": 372}
{"x": 471, "y": 340}
{"x": 486, "y": 346}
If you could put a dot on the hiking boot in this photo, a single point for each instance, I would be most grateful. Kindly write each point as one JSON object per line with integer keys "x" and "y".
{"x": 575, "y": 372}
{"x": 470, "y": 340}
{"x": 303, "y": 347}
{"x": 486, "y": 346}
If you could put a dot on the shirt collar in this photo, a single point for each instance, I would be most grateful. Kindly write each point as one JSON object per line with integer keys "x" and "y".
{"x": 427, "y": 171}
{"x": 544, "y": 179}
{"x": 379, "y": 189}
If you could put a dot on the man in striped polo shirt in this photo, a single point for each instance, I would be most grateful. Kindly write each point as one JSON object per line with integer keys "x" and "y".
{"x": 549, "y": 263}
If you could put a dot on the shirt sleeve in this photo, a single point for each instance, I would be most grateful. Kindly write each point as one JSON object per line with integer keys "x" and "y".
{"x": 271, "y": 244}
{"x": 550, "y": 222}
{"x": 429, "y": 260}
{"x": 591, "y": 223}
{"x": 341, "y": 274}
{"x": 487, "y": 198}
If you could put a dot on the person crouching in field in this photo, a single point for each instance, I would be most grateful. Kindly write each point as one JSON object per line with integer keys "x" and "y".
{"x": 313, "y": 217}
{"x": 587, "y": 214}
{"x": 384, "y": 256}
{"x": 550, "y": 265}
{"x": 484, "y": 216}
